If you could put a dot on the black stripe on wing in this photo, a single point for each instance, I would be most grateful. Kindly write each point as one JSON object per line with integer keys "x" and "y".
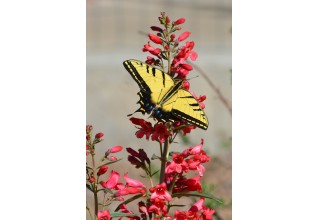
{"x": 136, "y": 76}
{"x": 190, "y": 119}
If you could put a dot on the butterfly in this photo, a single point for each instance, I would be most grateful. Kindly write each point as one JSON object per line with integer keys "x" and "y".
{"x": 163, "y": 97}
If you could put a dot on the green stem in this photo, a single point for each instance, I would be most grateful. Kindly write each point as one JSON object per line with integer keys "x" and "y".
{"x": 164, "y": 158}
{"x": 95, "y": 192}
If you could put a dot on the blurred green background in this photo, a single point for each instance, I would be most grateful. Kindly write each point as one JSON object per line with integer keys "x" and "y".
{"x": 114, "y": 34}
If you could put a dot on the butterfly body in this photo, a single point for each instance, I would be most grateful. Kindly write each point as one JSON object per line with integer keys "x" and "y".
{"x": 163, "y": 97}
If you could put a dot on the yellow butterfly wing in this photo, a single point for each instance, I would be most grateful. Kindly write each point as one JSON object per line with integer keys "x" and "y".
{"x": 150, "y": 80}
{"x": 184, "y": 106}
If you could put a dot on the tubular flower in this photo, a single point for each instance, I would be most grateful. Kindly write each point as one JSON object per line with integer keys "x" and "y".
{"x": 132, "y": 182}
{"x": 184, "y": 36}
{"x": 177, "y": 165}
{"x": 113, "y": 179}
{"x": 150, "y": 49}
{"x": 160, "y": 191}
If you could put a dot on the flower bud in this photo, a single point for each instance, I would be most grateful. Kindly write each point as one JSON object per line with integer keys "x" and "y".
{"x": 99, "y": 135}
{"x": 179, "y": 21}
{"x": 155, "y": 28}
{"x": 115, "y": 149}
{"x": 155, "y": 39}
{"x": 184, "y": 36}
{"x": 103, "y": 169}
{"x": 88, "y": 129}
{"x": 186, "y": 85}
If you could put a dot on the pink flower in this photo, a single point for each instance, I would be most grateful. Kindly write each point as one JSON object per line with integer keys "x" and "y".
{"x": 130, "y": 190}
{"x": 113, "y": 179}
{"x": 198, "y": 206}
{"x": 155, "y": 39}
{"x": 132, "y": 182}
{"x": 193, "y": 150}
{"x": 104, "y": 215}
{"x": 103, "y": 169}
{"x": 160, "y": 191}
{"x": 184, "y": 36}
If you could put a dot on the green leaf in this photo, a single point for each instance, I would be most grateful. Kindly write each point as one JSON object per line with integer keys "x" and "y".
{"x": 129, "y": 200}
{"x": 155, "y": 173}
{"x": 177, "y": 205}
{"x": 120, "y": 214}
{"x": 197, "y": 195}
{"x": 89, "y": 187}
{"x": 111, "y": 162}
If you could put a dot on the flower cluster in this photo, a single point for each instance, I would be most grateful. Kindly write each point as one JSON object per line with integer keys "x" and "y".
{"x": 197, "y": 211}
{"x": 170, "y": 47}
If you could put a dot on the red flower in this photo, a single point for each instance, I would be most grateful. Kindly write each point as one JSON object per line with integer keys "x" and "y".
{"x": 179, "y": 21}
{"x": 146, "y": 127}
{"x": 115, "y": 149}
{"x": 184, "y": 36}
{"x": 186, "y": 185}
{"x": 160, "y": 191}
{"x": 187, "y": 129}
{"x": 104, "y": 215}
{"x": 158, "y": 207}
{"x": 186, "y": 51}
{"x": 160, "y": 133}
{"x": 113, "y": 179}
{"x": 186, "y": 66}
{"x": 152, "y": 50}
{"x": 155, "y": 39}
{"x": 178, "y": 164}
{"x": 103, "y": 169}
{"x": 207, "y": 213}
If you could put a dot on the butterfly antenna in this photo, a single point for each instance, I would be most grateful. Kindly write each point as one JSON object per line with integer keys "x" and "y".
{"x": 193, "y": 77}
